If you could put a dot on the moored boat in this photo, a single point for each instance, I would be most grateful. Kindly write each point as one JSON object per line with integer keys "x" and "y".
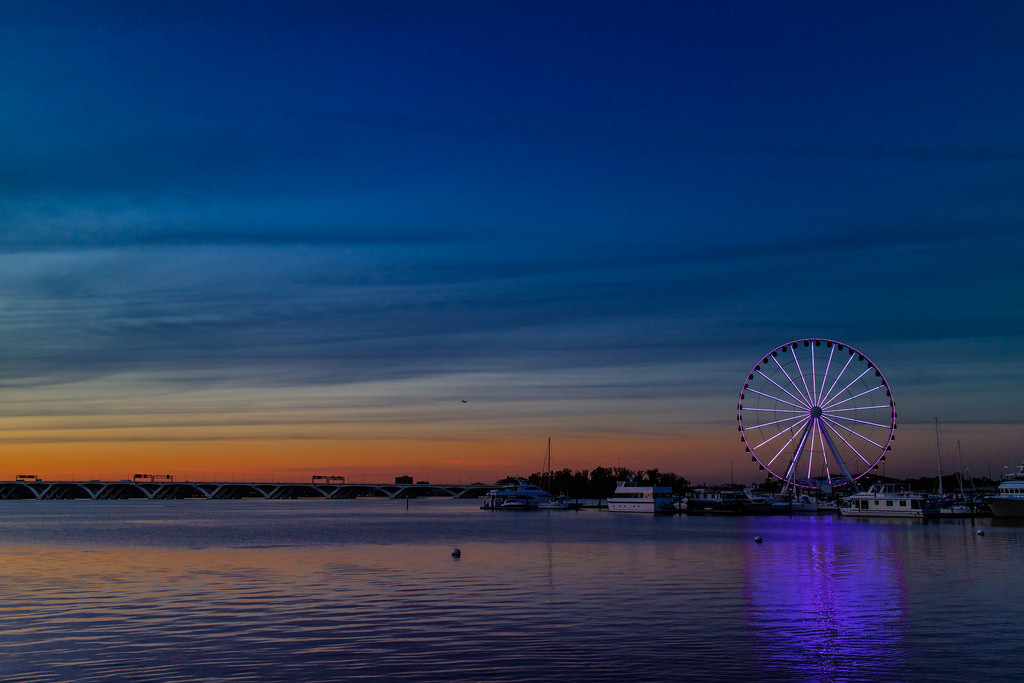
{"x": 632, "y": 497}
{"x": 555, "y": 503}
{"x": 796, "y": 504}
{"x": 515, "y": 495}
{"x": 727, "y": 500}
{"x": 1009, "y": 498}
{"x": 889, "y": 500}
{"x": 714, "y": 500}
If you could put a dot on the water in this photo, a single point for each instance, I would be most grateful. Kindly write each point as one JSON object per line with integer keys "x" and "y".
{"x": 368, "y": 589}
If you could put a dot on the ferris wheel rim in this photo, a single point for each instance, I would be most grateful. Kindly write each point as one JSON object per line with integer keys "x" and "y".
{"x": 821, "y": 404}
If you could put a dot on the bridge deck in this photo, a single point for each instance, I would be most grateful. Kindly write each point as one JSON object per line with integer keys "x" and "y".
{"x": 225, "y": 490}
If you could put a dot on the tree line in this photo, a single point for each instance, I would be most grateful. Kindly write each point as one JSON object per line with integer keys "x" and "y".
{"x": 600, "y": 482}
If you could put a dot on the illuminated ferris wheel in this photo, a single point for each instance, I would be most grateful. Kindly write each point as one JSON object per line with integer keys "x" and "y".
{"x": 816, "y": 410}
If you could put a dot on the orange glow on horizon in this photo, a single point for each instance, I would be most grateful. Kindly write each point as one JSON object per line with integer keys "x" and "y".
{"x": 373, "y": 460}
{"x": 288, "y": 435}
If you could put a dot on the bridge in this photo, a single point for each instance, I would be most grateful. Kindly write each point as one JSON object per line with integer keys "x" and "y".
{"x": 154, "y": 488}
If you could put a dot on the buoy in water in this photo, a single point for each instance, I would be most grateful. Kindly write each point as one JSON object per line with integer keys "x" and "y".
{"x": 981, "y": 532}
{"x": 757, "y": 539}
{"x": 456, "y": 552}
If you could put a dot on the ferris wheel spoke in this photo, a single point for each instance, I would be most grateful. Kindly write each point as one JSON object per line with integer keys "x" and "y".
{"x": 795, "y": 460}
{"x": 779, "y": 410}
{"x": 824, "y": 458}
{"x": 799, "y": 368}
{"x": 855, "y": 409}
{"x": 799, "y": 399}
{"x": 857, "y": 434}
{"x": 824, "y": 376}
{"x": 784, "y": 447}
{"x": 773, "y": 437}
{"x": 790, "y": 418}
{"x": 814, "y": 384}
{"x": 804, "y": 399}
{"x": 838, "y": 457}
{"x": 814, "y": 376}
{"x": 825, "y": 397}
{"x": 844, "y": 418}
{"x": 836, "y": 402}
{"x": 775, "y": 398}
{"x": 810, "y": 454}
{"x": 843, "y": 391}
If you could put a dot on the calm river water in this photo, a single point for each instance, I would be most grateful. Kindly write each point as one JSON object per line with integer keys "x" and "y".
{"x": 368, "y": 589}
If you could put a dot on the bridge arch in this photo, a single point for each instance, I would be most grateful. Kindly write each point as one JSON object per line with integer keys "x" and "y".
{"x": 18, "y": 491}
{"x": 66, "y": 491}
{"x": 235, "y": 491}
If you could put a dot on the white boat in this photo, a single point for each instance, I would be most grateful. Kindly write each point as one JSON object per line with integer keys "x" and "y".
{"x": 516, "y": 495}
{"x": 1009, "y": 498}
{"x": 632, "y": 497}
{"x": 888, "y": 500}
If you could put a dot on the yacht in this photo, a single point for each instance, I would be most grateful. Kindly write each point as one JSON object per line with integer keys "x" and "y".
{"x": 727, "y": 500}
{"x": 889, "y": 500}
{"x": 632, "y": 497}
{"x": 516, "y": 495}
{"x": 1009, "y": 498}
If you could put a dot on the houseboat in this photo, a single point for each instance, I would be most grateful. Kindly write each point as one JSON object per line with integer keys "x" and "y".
{"x": 889, "y": 500}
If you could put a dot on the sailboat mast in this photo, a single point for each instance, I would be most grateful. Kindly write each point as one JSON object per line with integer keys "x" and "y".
{"x": 938, "y": 455}
{"x": 547, "y": 467}
{"x": 960, "y": 471}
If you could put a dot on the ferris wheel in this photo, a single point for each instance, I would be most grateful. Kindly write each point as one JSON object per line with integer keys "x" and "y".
{"x": 816, "y": 410}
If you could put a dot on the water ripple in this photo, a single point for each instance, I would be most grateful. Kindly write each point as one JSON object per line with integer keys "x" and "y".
{"x": 370, "y": 591}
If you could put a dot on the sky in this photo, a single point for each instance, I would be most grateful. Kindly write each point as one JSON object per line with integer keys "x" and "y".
{"x": 269, "y": 240}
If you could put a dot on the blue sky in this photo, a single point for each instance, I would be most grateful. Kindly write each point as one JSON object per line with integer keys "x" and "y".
{"x": 327, "y": 224}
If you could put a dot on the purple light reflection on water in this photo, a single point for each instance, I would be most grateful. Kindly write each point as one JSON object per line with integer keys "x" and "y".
{"x": 826, "y": 601}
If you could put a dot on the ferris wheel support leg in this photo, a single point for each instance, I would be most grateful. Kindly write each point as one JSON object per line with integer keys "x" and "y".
{"x": 796, "y": 456}
{"x": 835, "y": 455}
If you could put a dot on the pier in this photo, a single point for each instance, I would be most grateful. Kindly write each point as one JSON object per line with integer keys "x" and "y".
{"x": 159, "y": 488}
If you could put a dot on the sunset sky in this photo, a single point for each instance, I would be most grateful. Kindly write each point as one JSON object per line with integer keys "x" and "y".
{"x": 270, "y": 240}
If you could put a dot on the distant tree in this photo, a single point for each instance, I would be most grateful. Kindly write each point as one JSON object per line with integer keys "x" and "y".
{"x": 566, "y": 482}
{"x": 602, "y": 482}
{"x": 624, "y": 473}
{"x": 679, "y": 484}
{"x": 579, "y": 484}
